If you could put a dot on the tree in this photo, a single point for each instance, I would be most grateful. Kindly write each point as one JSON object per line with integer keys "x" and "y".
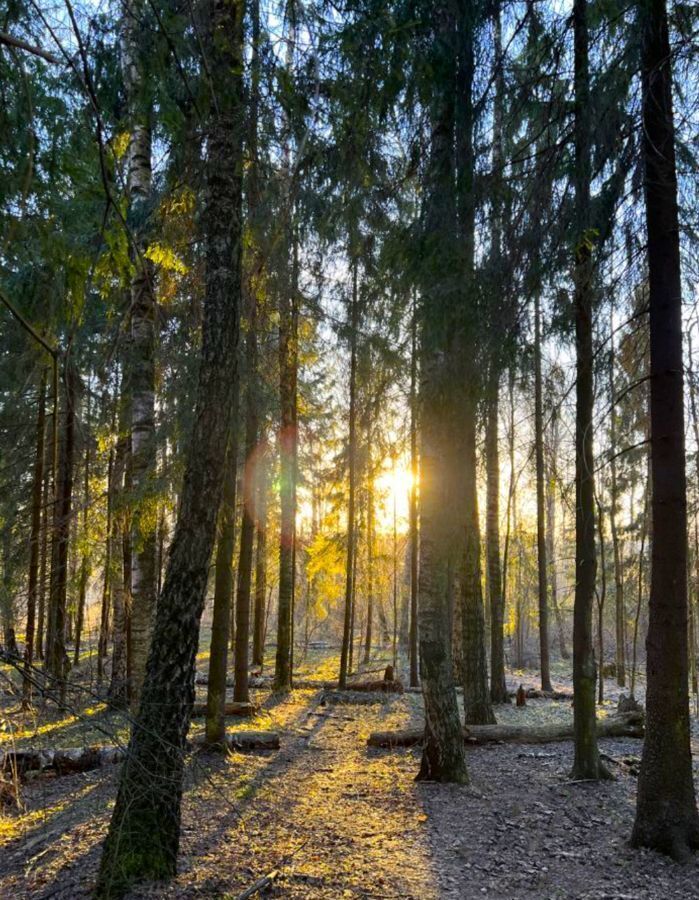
{"x": 144, "y": 831}
{"x": 587, "y": 762}
{"x": 443, "y": 751}
{"x": 540, "y": 503}
{"x": 666, "y": 811}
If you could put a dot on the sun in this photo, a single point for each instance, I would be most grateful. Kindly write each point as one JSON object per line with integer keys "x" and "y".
{"x": 393, "y": 488}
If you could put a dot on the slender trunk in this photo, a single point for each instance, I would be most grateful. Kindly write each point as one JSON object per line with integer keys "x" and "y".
{"x": 118, "y": 685}
{"x": 34, "y": 543}
{"x": 258, "y": 633}
{"x": 414, "y": 488}
{"x": 498, "y": 686}
{"x": 601, "y": 599}
{"x": 551, "y": 536}
{"x": 56, "y": 658}
{"x": 666, "y": 812}
{"x": 144, "y": 832}
{"x": 223, "y": 591}
{"x": 352, "y": 452}
{"x": 46, "y": 518}
{"x": 639, "y": 591}
{"x": 85, "y": 560}
{"x": 369, "y": 547}
{"x": 103, "y": 639}
{"x": 141, "y": 354}
{"x": 540, "y": 504}
{"x": 619, "y": 609}
{"x": 587, "y": 762}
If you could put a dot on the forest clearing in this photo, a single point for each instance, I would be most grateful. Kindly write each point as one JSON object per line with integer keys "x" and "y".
{"x": 349, "y": 449}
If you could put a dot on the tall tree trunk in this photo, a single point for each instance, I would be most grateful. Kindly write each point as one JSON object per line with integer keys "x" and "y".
{"x": 619, "y": 608}
{"x": 141, "y": 354}
{"x": 587, "y": 762}
{"x": 144, "y": 832}
{"x": 352, "y": 454}
{"x": 601, "y": 600}
{"x": 85, "y": 558}
{"x": 223, "y": 590}
{"x": 443, "y": 756}
{"x": 369, "y": 636}
{"x": 540, "y": 504}
{"x": 56, "y": 657}
{"x": 498, "y": 686}
{"x": 551, "y": 535}
{"x": 666, "y": 812}
{"x": 414, "y": 488}
{"x": 288, "y": 374}
{"x": 249, "y": 516}
{"x": 34, "y": 542}
{"x": 103, "y": 638}
{"x": 46, "y": 519}
{"x": 118, "y": 685}
{"x": 477, "y": 706}
{"x": 258, "y": 631}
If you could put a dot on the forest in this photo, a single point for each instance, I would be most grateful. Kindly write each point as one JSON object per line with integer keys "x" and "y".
{"x": 349, "y": 449}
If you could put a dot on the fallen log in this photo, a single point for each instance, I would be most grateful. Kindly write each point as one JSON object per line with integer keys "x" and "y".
{"x": 64, "y": 761}
{"x": 370, "y": 687}
{"x": 243, "y": 740}
{"x": 243, "y": 710}
{"x": 629, "y": 725}
{"x": 252, "y": 740}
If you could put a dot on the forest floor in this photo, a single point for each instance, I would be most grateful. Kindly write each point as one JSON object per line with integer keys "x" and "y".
{"x": 337, "y": 819}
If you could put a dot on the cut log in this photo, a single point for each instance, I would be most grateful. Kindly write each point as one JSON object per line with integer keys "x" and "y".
{"x": 629, "y": 725}
{"x": 243, "y": 710}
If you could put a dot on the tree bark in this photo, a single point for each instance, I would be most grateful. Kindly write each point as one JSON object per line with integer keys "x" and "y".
{"x": 587, "y": 762}
{"x": 223, "y": 590}
{"x": 619, "y": 608}
{"x": 34, "y": 542}
{"x": 144, "y": 831}
{"x": 443, "y": 756}
{"x": 56, "y": 657}
{"x": 540, "y": 504}
{"x": 666, "y": 812}
{"x": 498, "y": 686}
{"x": 141, "y": 354}
{"x": 352, "y": 463}
{"x": 413, "y": 524}
{"x": 258, "y": 634}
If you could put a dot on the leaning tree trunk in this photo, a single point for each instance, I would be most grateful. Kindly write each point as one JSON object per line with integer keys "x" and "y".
{"x": 540, "y": 504}
{"x": 141, "y": 354}
{"x": 666, "y": 812}
{"x": 443, "y": 756}
{"x": 34, "y": 543}
{"x": 144, "y": 832}
{"x": 587, "y": 762}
